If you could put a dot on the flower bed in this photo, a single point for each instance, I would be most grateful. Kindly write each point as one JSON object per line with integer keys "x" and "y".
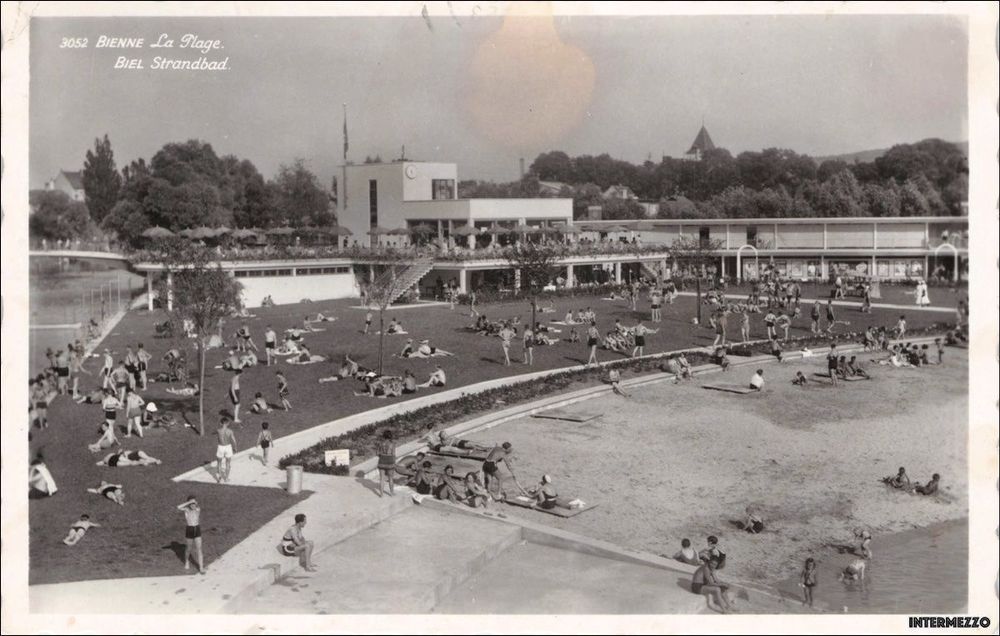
{"x": 413, "y": 425}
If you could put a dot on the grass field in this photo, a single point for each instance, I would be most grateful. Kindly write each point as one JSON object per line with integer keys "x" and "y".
{"x": 142, "y": 529}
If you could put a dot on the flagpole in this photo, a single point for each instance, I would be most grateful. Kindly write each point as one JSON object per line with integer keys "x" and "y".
{"x": 345, "y": 157}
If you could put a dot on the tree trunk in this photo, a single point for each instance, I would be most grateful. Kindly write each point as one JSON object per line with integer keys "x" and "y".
{"x": 534, "y": 305}
{"x": 201, "y": 387}
{"x": 697, "y": 295}
{"x": 381, "y": 336}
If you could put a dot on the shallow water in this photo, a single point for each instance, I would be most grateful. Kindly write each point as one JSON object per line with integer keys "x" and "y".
{"x": 921, "y": 571}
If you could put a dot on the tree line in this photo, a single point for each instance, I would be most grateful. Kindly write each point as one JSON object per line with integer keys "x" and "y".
{"x": 930, "y": 177}
{"x": 183, "y": 185}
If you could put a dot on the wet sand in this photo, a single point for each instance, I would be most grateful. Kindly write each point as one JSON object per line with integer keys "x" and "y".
{"x": 676, "y": 461}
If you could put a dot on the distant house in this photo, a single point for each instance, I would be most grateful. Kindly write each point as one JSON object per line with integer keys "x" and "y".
{"x": 702, "y": 144}
{"x": 619, "y": 192}
{"x": 550, "y": 188}
{"x": 69, "y": 182}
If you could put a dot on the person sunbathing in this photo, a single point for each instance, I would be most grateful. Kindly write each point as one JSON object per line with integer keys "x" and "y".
{"x": 706, "y": 582}
{"x": 542, "y": 340}
{"x": 79, "y": 528}
{"x": 900, "y": 480}
{"x": 114, "y": 492}
{"x": 930, "y": 487}
{"x": 383, "y": 387}
{"x": 348, "y": 369}
{"x": 568, "y": 319}
{"x": 425, "y": 350}
{"x": 438, "y": 378}
{"x": 94, "y": 397}
{"x": 321, "y": 318}
{"x": 189, "y": 390}
{"x": 107, "y": 439}
{"x": 449, "y": 487}
{"x": 408, "y": 349}
{"x": 409, "y": 382}
{"x": 125, "y": 458}
{"x": 441, "y": 440}
{"x": 854, "y": 368}
{"x": 394, "y": 327}
{"x": 475, "y": 495}
{"x": 673, "y": 366}
{"x": 544, "y": 493}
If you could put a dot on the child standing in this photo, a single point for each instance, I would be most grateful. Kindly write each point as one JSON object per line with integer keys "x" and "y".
{"x": 283, "y": 391}
{"x": 901, "y": 326}
{"x": 940, "y": 350}
{"x": 808, "y": 581}
{"x": 265, "y": 441}
{"x": 234, "y": 394}
{"x": 368, "y": 322}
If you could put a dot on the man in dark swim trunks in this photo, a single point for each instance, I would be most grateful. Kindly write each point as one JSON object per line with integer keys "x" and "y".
{"x": 930, "y": 487}
{"x": 192, "y": 533}
{"x": 705, "y": 582}
{"x": 491, "y": 465}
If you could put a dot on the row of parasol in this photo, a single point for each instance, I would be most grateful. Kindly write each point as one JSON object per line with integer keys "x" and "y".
{"x": 422, "y": 229}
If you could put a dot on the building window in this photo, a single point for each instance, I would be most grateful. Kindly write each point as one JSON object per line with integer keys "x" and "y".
{"x": 373, "y": 202}
{"x": 442, "y": 189}
{"x": 703, "y": 236}
{"x": 752, "y": 235}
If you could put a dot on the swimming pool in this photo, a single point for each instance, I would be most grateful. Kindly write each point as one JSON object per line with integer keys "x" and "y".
{"x": 917, "y": 571}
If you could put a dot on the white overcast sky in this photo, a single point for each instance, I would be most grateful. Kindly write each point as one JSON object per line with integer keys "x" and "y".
{"x": 483, "y": 92}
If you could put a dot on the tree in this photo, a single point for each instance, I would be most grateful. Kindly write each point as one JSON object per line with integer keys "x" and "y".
{"x": 203, "y": 294}
{"x": 57, "y": 217}
{"x": 101, "y": 181}
{"x": 385, "y": 289}
{"x": 128, "y": 221}
{"x": 536, "y": 262}
{"x": 830, "y": 167}
{"x": 622, "y": 209}
{"x": 553, "y": 166}
{"x": 298, "y": 197}
{"x": 697, "y": 254}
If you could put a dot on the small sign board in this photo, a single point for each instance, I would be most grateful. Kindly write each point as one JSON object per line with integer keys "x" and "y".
{"x": 340, "y": 457}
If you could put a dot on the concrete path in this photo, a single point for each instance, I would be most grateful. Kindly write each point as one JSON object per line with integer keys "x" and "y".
{"x": 856, "y": 302}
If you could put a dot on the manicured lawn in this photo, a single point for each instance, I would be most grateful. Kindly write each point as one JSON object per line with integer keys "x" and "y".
{"x": 133, "y": 541}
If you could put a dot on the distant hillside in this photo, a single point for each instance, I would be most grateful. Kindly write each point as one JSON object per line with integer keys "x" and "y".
{"x": 864, "y": 156}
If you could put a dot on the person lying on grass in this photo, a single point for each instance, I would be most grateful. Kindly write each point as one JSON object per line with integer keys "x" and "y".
{"x": 125, "y": 458}
{"x": 288, "y": 347}
{"x": 425, "y": 350}
{"x": 190, "y": 389}
{"x": 321, "y": 318}
{"x": 113, "y": 492}
{"x": 78, "y": 529}
{"x": 94, "y": 397}
{"x": 348, "y": 369}
{"x": 382, "y": 387}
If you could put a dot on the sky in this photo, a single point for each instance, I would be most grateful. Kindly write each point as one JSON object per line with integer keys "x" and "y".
{"x": 484, "y": 91}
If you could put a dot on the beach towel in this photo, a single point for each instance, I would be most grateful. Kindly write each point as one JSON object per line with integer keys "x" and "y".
{"x": 312, "y": 360}
{"x": 41, "y": 479}
{"x": 729, "y": 388}
{"x": 565, "y": 507}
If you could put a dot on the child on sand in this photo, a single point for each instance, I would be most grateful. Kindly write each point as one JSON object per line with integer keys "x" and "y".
{"x": 265, "y": 441}
{"x": 808, "y": 580}
{"x": 687, "y": 554}
{"x": 79, "y": 528}
{"x": 757, "y": 380}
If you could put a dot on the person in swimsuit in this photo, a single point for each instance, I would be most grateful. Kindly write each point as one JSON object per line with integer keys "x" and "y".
{"x": 757, "y": 380}
{"x": 386, "y": 451}
{"x": 491, "y": 475}
{"x": 368, "y": 321}
{"x": 234, "y": 394}
{"x": 705, "y": 582}
{"x": 437, "y": 378}
{"x": 133, "y": 412}
{"x": 687, "y": 554}
{"x": 831, "y": 318}
{"x": 120, "y": 377}
{"x": 107, "y": 368}
{"x": 593, "y": 339}
{"x": 544, "y": 493}
{"x": 40, "y": 402}
{"x": 265, "y": 441}
{"x": 800, "y": 379}
{"x": 808, "y": 580}
{"x": 855, "y": 571}
{"x": 283, "y": 390}
{"x": 814, "y": 315}
{"x": 930, "y": 487}
{"x": 192, "y": 533}
{"x": 900, "y": 480}
{"x": 79, "y": 528}
{"x": 270, "y": 343}
{"x": 754, "y": 523}
{"x": 407, "y": 349}
{"x": 865, "y": 546}
{"x": 506, "y": 335}
{"x": 831, "y": 364}
{"x": 225, "y": 450}
{"x": 449, "y": 487}
{"x": 114, "y": 492}
{"x": 640, "y": 332}
{"x": 124, "y": 458}
{"x": 475, "y": 495}
{"x": 294, "y": 543}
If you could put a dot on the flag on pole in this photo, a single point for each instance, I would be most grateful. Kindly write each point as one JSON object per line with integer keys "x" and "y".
{"x": 345, "y": 132}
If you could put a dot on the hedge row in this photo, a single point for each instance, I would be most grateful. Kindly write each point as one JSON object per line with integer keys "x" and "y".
{"x": 415, "y": 424}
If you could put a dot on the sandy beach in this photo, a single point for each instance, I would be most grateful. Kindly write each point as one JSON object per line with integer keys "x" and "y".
{"x": 676, "y": 461}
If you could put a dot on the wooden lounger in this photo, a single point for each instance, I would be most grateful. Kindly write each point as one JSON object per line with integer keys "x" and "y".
{"x": 729, "y": 388}
{"x": 559, "y": 511}
{"x": 462, "y": 465}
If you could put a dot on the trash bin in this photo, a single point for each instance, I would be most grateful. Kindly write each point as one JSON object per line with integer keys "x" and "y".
{"x": 294, "y": 479}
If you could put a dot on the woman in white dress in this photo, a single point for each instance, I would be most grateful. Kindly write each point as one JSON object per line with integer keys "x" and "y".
{"x": 922, "y": 298}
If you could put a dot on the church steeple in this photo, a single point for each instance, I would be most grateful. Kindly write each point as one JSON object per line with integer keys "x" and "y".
{"x": 702, "y": 143}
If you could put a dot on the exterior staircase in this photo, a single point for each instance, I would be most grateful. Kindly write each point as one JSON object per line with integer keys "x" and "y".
{"x": 648, "y": 271}
{"x": 397, "y": 279}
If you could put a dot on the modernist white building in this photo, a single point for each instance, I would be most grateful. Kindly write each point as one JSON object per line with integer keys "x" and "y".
{"x": 403, "y": 194}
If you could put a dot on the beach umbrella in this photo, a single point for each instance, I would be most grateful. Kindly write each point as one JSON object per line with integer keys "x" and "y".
{"x": 399, "y": 231}
{"x": 186, "y": 232}
{"x": 157, "y": 232}
{"x": 465, "y": 230}
{"x": 521, "y": 228}
{"x": 201, "y": 233}
{"x": 500, "y": 229}
{"x": 614, "y": 228}
{"x": 423, "y": 228}
{"x": 281, "y": 231}
{"x": 340, "y": 230}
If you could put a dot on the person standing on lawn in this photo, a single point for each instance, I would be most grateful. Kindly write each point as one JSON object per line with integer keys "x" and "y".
{"x": 270, "y": 343}
{"x": 226, "y": 449}
{"x": 144, "y": 359}
{"x": 593, "y": 339}
{"x": 506, "y": 335}
{"x": 234, "y": 394}
{"x": 192, "y": 534}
